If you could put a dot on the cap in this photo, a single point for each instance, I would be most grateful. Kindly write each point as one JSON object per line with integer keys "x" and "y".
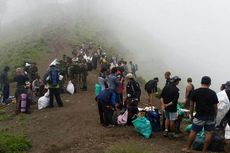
{"x": 175, "y": 79}
{"x": 129, "y": 76}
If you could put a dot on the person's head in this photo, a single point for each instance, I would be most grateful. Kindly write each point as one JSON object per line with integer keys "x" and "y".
{"x": 206, "y": 80}
{"x": 130, "y": 76}
{"x": 227, "y": 85}
{"x": 6, "y": 69}
{"x": 156, "y": 79}
{"x": 167, "y": 75}
{"x": 223, "y": 86}
{"x": 176, "y": 80}
{"x": 189, "y": 80}
{"x": 130, "y": 62}
{"x": 113, "y": 70}
{"x": 19, "y": 71}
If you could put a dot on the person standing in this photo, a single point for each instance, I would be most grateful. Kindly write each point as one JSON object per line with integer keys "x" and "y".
{"x": 151, "y": 88}
{"x": 188, "y": 91}
{"x": 169, "y": 100}
{"x": 167, "y": 78}
{"x": 205, "y": 101}
{"x": 107, "y": 103}
{"x": 133, "y": 89}
{"x": 21, "y": 79}
{"x": 52, "y": 78}
{"x": 167, "y": 82}
{"x": 4, "y": 82}
{"x": 133, "y": 68}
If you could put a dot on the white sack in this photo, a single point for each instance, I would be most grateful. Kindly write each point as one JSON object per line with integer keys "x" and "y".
{"x": 70, "y": 88}
{"x": 222, "y": 107}
{"x": 227, "y": 132}
{"x": 43, "y": 101}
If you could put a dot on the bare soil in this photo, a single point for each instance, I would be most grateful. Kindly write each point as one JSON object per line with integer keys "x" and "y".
{"x": 75, "y": 127}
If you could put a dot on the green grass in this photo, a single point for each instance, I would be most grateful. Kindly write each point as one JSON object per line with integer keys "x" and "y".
{"x": 128, "y": 148}
{"x": 5, "y": 116}
{"x": 13, "y": 143}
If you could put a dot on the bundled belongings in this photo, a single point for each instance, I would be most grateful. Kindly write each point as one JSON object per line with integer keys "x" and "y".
{"x": 216, "y": 145}
{"x": 223, "y": 106}
{"x": 122, "y": 118}
{"x": 70, "y": 88}
{"x": 227, "y": 132}
{"x": 143, "y": 126}
{"x": 43, "y": 101}
{"x": 154, "y": 117}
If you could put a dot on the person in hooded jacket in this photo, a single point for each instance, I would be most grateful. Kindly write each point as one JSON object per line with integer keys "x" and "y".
{"x": 4, "y": 82}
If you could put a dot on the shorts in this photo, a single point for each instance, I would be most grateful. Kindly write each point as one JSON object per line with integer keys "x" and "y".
{"x": 172, "y": 116}
{"x": 208, "y": 125}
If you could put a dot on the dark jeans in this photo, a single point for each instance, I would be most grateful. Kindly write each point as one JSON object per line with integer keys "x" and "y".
{"x": 5, "y": 92}
{"x": 105, "y": 113}
{"x": 55, "y": 92}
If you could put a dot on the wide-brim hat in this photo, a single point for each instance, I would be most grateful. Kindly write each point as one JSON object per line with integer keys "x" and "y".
{"x": 129, "y": 76}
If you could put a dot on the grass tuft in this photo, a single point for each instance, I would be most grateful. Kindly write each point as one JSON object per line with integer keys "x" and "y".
{"x": 11, "y": 143}
{"x": 128, "y": 148}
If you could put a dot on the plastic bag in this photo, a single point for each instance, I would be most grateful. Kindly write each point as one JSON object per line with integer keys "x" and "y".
{"x": 143, "y": 126}
{"x": 43, "y": 101}
{"x": 188, "y": 128}
{"x": 227, "y": 132}
{"x": 70, "y": 88}
{"x": 122, "y": 118}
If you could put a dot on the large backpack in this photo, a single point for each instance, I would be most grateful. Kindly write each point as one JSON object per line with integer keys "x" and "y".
{"x": 54, "y": 76}
{"x": 105, "y": 96}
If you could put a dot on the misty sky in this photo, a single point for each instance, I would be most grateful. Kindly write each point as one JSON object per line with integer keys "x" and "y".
{"x": 190, "y": 38}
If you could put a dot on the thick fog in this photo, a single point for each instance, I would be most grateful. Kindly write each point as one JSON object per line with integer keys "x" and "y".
{"x": 190, "y": 38}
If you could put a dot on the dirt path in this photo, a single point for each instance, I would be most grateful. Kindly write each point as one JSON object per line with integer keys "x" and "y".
{"x": 75, "y": 128}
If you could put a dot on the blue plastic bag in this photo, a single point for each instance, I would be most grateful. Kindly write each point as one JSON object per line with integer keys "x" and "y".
{"x": 142, "y": 125}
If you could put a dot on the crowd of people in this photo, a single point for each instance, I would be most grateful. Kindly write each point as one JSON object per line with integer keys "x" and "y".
{"x": 118, "y": 90}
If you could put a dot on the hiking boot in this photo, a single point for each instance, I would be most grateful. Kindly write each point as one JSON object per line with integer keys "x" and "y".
{"x": 165, "y": 133}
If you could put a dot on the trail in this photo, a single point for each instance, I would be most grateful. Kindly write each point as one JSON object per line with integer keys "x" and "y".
{"x": 75, "y": 127}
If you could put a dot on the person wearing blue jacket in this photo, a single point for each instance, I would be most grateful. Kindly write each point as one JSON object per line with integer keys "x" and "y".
{"x": 106, "y": 105}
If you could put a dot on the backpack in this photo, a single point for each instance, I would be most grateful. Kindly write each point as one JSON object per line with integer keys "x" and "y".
{"x": 105, "y": 96}
{"x": 54, "y": 76}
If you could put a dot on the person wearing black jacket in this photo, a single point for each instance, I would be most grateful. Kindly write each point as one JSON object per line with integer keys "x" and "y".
{"x": 133, "y": 89}
{"x": 151, "y": 88}
{"x": 169, "y": 100}
{"x": 4, "y": 82}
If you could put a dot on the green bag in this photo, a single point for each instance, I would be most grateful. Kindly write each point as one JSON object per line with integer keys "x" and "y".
{"x": 188, "y": 128}
{"x": 142, "y": 125}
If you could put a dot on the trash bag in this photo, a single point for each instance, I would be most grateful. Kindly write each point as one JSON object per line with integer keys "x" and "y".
{"x": 188, "y": 128}
{"x": 122, "y": 118}
{"x": 43, "y": 101}
{"x": 70, "y": 88}
{"x": 97, "y": 89}
{"x": 142, "y": 125}
{"x": 223, "y": 106}
{"x": 227, "y": 132}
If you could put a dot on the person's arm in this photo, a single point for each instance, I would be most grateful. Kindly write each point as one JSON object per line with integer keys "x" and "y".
{"x": 215, "y": 109}
{"x": 174, "y": 101}
{"x": 162, "y": 104}
{"x": 191, "y": 108}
